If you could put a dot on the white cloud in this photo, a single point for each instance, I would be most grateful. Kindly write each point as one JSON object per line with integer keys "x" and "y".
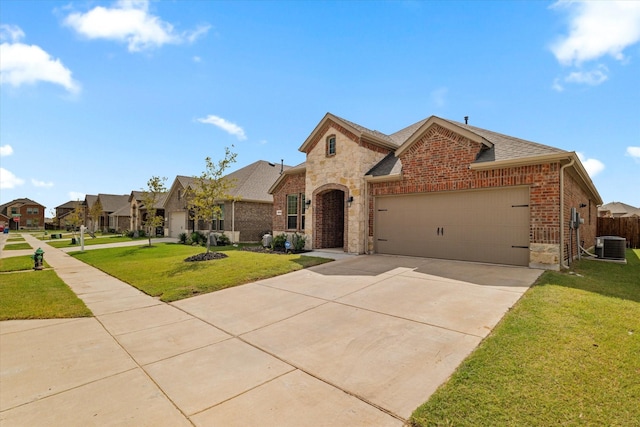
{"x": 634, "y": 152}
{"x": 230, "y": 128}
{"x": 13, "y": 33}
{"x": 29, "y": 64}
{"x": 6, "y": 150}
{"x": 9, "y": 180}
{"x": 591, "y": 78}
{"x": 592, "y": 166}
{"x": 597, "y": 28}
{"x": 129, "y": 21}
{"x": 42, "y": 184}
{"x": 197, "y": 59}
{"x": 557, "y": 86}
{"x": 75, "y": 195}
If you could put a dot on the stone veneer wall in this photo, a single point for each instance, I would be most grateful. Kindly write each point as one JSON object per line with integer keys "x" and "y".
{"x": 347, "y": 167}
{"x": 440, "y": 161}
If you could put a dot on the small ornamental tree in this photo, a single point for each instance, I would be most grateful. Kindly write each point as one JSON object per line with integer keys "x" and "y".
{"x": 95, "y": 213}
{"x": 74, "y": 219}
{"x": 209, "y": 189}
{"x": 150, "y": 199}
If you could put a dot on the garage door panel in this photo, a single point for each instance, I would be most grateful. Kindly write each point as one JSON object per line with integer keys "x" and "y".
{"x": 484, "y": 225}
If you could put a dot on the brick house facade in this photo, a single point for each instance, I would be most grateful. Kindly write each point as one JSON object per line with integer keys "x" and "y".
{"x": 365, "y": 170}
{"x": 30, "y": 214}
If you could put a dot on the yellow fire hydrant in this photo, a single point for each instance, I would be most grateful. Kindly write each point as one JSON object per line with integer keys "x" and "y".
{"x": 38, "y": 259}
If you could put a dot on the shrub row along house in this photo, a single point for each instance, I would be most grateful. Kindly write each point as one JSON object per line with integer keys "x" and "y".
{"x": 245, "y": 217}
{"x": 437, "y": 188}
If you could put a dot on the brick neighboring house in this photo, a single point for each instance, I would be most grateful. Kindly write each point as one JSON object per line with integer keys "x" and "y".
{"x": 244, "y": 219}
{"x": 31, "y": 214}
{"x": 138, "y": 212}
{"x": 438, "y": 189}
{"x": 63, "y": 211}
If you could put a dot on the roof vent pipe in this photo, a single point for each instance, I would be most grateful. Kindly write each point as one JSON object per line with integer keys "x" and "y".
{"x": 281, "y": 166}
{"x": 466, "y": 120}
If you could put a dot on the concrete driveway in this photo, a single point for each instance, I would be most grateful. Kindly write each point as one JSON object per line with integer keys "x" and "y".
{"x": 360, "y": 341}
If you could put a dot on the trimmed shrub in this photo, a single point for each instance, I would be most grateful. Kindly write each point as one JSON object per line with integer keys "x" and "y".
{"x": 223, "y": 240}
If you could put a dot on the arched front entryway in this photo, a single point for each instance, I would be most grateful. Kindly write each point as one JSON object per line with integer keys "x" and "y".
{"x": 330, "y": 217}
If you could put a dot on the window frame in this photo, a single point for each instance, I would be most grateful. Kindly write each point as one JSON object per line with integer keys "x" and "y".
{"x": 294, "y": 215}
{"x": 331, "y": 148}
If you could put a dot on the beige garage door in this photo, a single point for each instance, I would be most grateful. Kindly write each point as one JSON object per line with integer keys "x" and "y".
{"x": 177, "y": 222}
{"x": 482, "y": 225}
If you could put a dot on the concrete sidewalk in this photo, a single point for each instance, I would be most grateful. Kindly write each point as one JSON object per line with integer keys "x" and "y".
{"x": 361, "y": 341}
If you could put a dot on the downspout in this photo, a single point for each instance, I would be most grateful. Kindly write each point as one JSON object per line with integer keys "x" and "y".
{"x": 233, "y": 220}
{"x": 562, "y": 264}
{"x": 366, "y": 217}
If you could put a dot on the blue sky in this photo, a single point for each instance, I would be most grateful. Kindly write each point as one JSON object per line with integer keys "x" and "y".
{"x": 97, "y": 97}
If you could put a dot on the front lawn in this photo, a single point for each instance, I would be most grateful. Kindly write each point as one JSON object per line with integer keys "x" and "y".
{"x": 38, "y": 295}
{"x": 160, "y": 270}
{"x": 568, "y": 353}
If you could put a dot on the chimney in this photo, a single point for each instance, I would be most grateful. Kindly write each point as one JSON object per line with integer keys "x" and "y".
{"x": 466, "y": 120}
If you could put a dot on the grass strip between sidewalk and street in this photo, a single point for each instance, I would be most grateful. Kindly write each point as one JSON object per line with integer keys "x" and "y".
{"x": 160, "y": 270}
{"x": 18, "y": 263}
{"x": 38, "y": 295}
{"x": 568, "y": 353}
{"x": 16, "y": 246}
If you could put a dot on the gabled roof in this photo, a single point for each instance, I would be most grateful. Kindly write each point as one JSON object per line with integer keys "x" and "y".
{"x": 90, "y": 199}
{"x": 373, "y": 136}
{"x": 252, "y": 182}
{"x": 19, "y": 202}
{"x": 113, "y": 202}
{"x": 124, "y": 210}
{"x": 69, "y": 205}
{"x": 302, "y": 167}
{"x": 498, "y": 150}
{"x": 620, "y": 209}
{"x": 138, "y": 195}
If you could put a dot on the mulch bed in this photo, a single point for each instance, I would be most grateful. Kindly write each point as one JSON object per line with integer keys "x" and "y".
{"x": 206, "y": 256}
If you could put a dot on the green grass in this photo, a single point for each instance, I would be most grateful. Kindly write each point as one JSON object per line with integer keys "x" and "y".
{"x": 15, "y": 239}
{"x": 568, "y": 353}
{"x": 38, "y": 295}
{"x": 16, "y": 246}
{"x": 89, "y": 241}
{"x": 160, "y": 270}
{"x": 18, "y": 263}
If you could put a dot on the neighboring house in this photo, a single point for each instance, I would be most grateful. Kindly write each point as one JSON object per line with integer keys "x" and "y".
{"x": 23, "y": 214}
{"x": 4, "y": 221}
{"x": 245, "y": 217}
{"x": 138, "y": 212}
{"x": 437, "y": 188}
{"x": 63, "y": 211}
{"x": 617, "y": 210}
{"x": 115, "y": 214}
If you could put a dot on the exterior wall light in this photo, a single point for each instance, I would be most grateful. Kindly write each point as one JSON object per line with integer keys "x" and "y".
{"x": 307, "y": 204}
{"x": 349, "y": 201}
